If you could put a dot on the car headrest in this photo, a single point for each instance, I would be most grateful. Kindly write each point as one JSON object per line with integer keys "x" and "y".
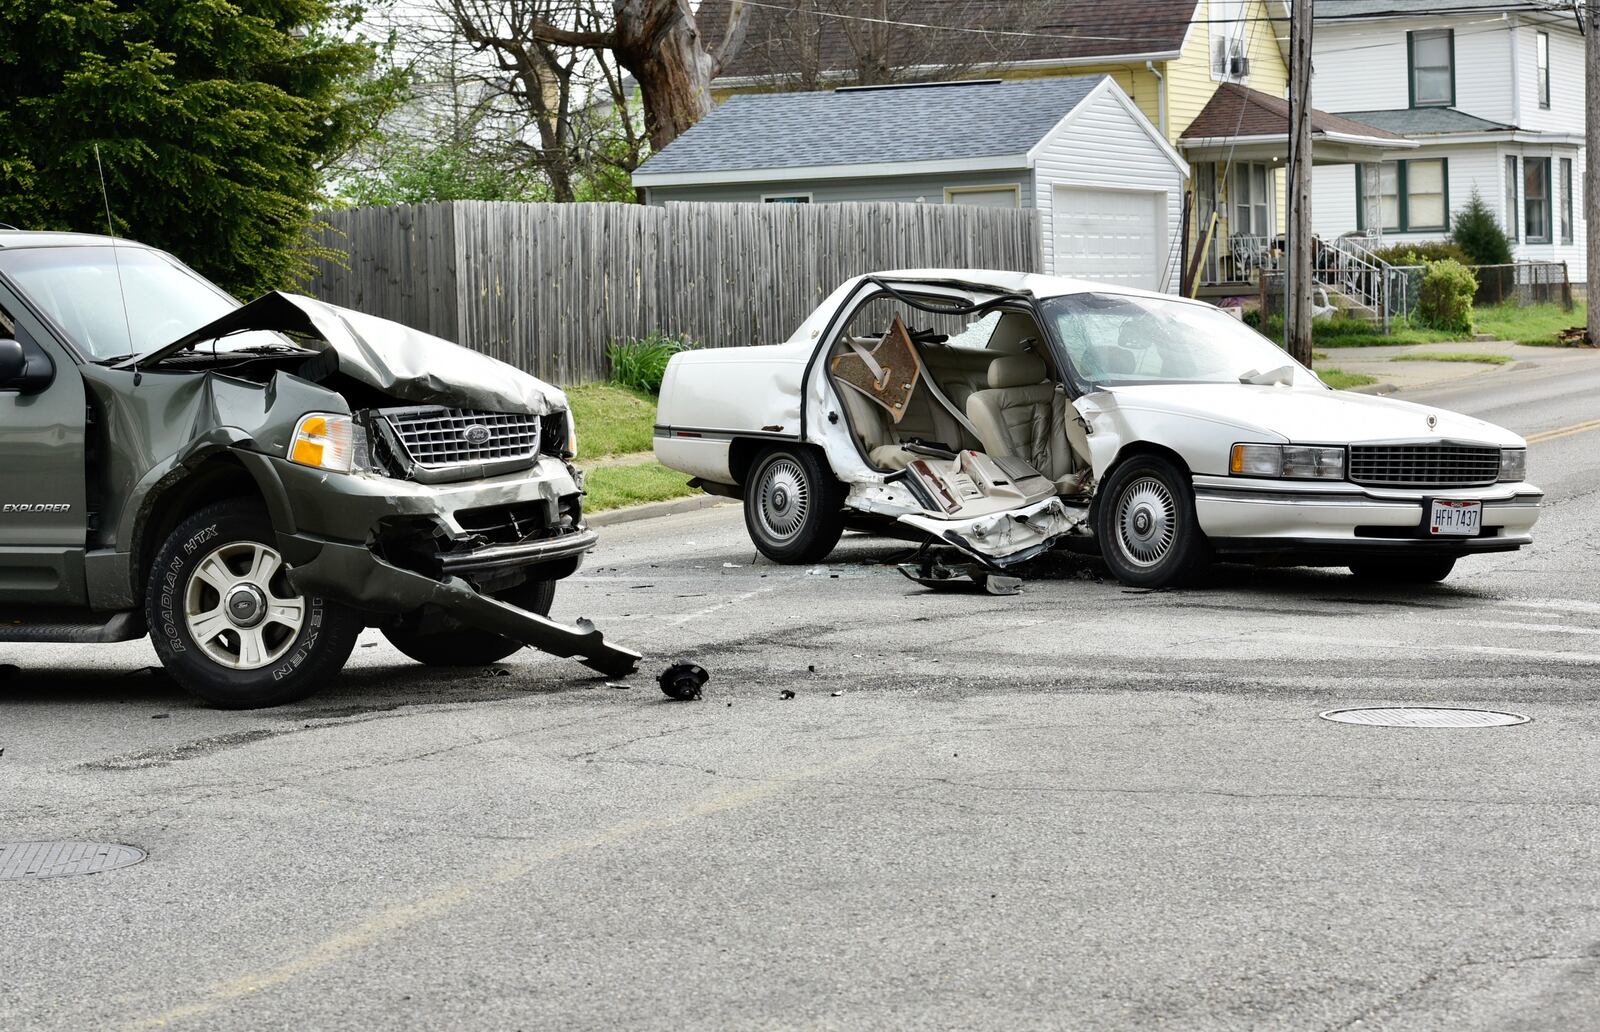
{"x": 1016, "y": 371}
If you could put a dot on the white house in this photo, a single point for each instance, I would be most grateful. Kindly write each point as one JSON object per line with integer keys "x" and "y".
{"x": 1107, "y": 185}
{"x": 1492, "y": 93}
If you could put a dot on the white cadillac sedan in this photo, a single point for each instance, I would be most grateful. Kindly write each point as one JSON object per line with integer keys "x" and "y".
{"x": 1003, "y": 414}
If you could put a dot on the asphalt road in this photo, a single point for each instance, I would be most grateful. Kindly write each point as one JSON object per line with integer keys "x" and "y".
{"x": 1082, "y": 807}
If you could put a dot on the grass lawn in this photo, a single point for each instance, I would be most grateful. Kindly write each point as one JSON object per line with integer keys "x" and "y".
{"x": 615, "y": 420}
{"x": 1452, "y": 356}
{"x": 611, "y": 487}
{"x": 611, "y": 420}
{"x": 1340, "y": 380}
{"x": 1535, "y": 324}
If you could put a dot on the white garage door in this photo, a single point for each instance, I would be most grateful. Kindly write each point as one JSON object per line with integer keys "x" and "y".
{"x": 1111, "y": 236}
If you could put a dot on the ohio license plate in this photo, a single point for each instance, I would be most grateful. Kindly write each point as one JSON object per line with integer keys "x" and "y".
{"x": 1460, "y": 518}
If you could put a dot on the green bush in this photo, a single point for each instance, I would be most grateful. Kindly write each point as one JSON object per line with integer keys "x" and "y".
{"x": 1478, "y": 234}
{"x": 641, "y": 364}
{"x": 1445, "y": 300}
{"x": 1423, "y": 253}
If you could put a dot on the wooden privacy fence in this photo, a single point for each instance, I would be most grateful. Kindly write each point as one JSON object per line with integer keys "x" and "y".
{"x": 548, "y": 287}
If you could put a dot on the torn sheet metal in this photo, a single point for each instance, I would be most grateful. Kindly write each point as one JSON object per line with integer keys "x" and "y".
{"x": 405, "y": 363}
{"x": 1001, "y": 539}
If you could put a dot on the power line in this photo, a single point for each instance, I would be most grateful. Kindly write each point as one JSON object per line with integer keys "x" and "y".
{"x": 1525, "y": 7}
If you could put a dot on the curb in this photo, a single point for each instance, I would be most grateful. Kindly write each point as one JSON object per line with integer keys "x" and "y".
{"x": 651, "y": 510}
{"x": 1375, "y": 388}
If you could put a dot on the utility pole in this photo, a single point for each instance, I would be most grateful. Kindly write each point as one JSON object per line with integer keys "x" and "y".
{"x": 1297, "y": 285}
{"x": 1591, "y": 160}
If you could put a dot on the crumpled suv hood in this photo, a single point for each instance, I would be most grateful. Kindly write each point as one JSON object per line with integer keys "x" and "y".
{"x": 404, "y": 363}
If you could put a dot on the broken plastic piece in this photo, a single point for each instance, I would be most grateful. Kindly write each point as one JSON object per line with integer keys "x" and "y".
{"x": 683, "y": 681}
{"x": 931, "y": 573}
{"x": 786, "y": 694}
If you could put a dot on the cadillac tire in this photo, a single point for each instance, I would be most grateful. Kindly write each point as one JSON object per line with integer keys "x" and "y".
{"x": 225, "y": 621}
{"x": 1146, "y": 525}
{"x": 454, "y": 646}
{"x": 793, "y": 506}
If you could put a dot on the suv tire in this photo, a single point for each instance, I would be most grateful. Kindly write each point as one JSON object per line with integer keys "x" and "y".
{"x": 462, "y": 646}
{"x": 1146, "y": 526}
{"x": 225, "y": 622}
{"x": 793, "y": 506}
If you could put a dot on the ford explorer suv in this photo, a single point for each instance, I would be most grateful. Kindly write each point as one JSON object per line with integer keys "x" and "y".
{"x": 252, "y": 485}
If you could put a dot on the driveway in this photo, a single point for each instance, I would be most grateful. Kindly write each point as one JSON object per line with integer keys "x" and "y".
{"x": 1084, "y": 806}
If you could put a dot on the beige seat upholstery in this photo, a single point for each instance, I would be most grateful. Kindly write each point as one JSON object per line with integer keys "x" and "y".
{"x": 1024, "y": 415}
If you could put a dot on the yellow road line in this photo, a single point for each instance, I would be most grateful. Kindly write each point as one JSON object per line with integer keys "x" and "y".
{"x": 391, "y": 921}
{"x": 1565, "y": 431}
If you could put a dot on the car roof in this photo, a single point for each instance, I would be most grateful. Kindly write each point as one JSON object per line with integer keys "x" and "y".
{"x": 31, "y": 238}
{"x": 1037, "y": 284}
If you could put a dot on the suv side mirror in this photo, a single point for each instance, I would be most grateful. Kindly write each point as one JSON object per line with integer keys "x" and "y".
{"x": 21, "y": 372}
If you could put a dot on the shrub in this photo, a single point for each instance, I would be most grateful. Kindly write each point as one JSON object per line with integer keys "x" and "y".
{"x": 641, "y": 364}
{"x": 1424, "y": 253}
{"x": 1445, "y": 300}
{"x": 1478, "y": 234}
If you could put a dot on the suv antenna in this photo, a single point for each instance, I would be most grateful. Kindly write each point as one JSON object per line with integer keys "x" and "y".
{"x": 116, "y": 261}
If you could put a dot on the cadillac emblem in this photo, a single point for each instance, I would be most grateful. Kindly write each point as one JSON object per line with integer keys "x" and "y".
{"x": 477, "y": 433}
{"x": 1433, "y": 421}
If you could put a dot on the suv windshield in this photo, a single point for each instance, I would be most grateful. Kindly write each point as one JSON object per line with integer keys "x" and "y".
{"x": 1120, "y": 339}
{"x": 77, "y": 288}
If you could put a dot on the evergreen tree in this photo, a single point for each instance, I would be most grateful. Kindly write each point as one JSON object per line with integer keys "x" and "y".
{"x": 1478, "y": 233}
{"x": 213, "y": 119}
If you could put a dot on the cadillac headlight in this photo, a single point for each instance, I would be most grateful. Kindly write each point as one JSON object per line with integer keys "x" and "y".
{"x": 325, "y": 440}
{"x": 1287, "y": 461}
{"x": 1513, "y": 464}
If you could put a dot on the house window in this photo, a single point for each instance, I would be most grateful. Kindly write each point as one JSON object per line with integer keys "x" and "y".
{"x": 1512, "y": 228}
{"x": 1565, "y": 185}
{"x": 1542, "y": 44}
{"x": 798, "y": 198}
{"x": 1389, "y": 195}
{"x": 1426, "y": 196}
{"x": 1252, "y": 203}
{"x": 1536, "y": 199}
{"x": 984, "y": 196}
{"x": 1414, "y": 196}
{"x": 1433, "y": 74}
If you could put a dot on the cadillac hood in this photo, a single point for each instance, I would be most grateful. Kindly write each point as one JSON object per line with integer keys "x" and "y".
{"x": 1310, "y": 415}
{"x": 402, "y": 362}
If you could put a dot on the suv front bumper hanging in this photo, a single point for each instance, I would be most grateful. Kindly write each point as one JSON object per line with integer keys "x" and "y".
{"x": 337, "y": 519}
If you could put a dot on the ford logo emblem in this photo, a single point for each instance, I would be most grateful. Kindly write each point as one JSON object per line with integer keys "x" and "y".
{"x": 477, "y": 433}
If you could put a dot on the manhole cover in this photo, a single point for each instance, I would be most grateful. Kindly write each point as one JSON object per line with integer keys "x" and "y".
{"x": 1424, "y": 716}
{"x": 22, "y": 860}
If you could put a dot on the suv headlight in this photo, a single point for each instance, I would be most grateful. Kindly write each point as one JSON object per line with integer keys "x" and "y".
{"x": 325, "y": 440}
{"x": 1513, "y": 464}
{"x": 1287, "y": 461}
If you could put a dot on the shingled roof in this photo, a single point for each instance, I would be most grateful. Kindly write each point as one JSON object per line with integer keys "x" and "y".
{"x": 1428, "y": 121}
{"x": 877, "y": 126}
{"x": 971, "y": 33}
{"x": 1237, "y": 111}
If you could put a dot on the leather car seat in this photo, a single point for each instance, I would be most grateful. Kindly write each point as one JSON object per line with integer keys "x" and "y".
{"x": 1024, "y": 415}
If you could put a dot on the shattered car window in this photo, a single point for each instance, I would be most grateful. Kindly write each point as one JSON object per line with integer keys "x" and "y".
{"x": 1119, "y": 339}
{"x": 78, "y": 288}
{"x": 975, "y": 335}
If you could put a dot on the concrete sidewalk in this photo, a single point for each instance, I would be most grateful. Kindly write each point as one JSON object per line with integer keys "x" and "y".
{"x": 1405, "y": 375}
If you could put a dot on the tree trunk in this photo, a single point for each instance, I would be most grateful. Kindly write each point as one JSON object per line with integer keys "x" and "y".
{"x": 659, "y": 43}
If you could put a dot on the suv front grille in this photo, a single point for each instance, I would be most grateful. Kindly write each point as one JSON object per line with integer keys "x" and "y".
{"x": 1423, "y": 465}
{"x": 435, "y": 437}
